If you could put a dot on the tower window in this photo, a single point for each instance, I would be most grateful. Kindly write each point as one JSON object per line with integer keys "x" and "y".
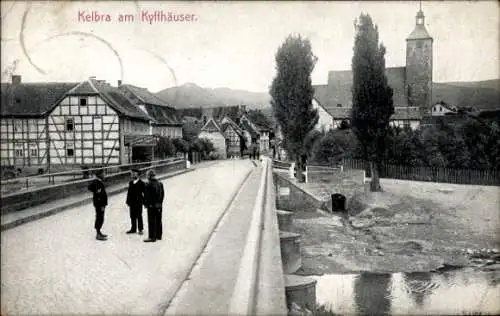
{"x": 83, "y": 101}
{"x": 419, "y": 44}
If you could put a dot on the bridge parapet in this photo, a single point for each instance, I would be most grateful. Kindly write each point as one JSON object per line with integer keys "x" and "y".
{"x": 260, "y": 287}
{"x": 21, "y": 200}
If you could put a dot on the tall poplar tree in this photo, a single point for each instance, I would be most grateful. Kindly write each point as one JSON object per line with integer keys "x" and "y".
{"x": 371, "y": 95}
{"x": 292, "y": 95}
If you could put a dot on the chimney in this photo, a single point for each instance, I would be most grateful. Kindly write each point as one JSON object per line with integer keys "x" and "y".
{"x": 16, "y": 79}
{"x": 119, "y": 83}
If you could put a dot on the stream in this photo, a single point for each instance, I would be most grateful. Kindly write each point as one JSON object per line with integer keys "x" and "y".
{"x": 459, "y": 292}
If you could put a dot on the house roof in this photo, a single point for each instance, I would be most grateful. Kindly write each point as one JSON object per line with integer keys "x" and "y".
{"x": 338, "y": 90}
{"x": 190, "y": 119}
{"x": 233, "y": 112}
{"x": 142, "y": 95}
{"x": 247, "y": 127}
{"x": 211, "y": 126}
{"x": 156, "y": 108}
{"x": 163, "y": 115}
{"x": 231, "y": 123}
{"x": 31, "y": 99}
{"x": 117, "y": 100}
{"x": 447, "y": 106}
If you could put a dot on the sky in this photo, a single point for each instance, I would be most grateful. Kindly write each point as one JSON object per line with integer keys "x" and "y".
{"x": 232, "y": 44}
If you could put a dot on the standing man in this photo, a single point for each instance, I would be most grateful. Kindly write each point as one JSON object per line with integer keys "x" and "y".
{"x": 100, "y": 201}
{"x": 135, "y": 199}
{"x": 153, "y": 200}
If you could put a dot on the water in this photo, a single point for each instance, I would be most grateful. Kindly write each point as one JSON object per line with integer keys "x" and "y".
{"x": 459, "y": 292}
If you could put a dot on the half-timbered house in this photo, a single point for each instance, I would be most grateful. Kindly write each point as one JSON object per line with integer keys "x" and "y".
{"x": 234, "y": 136}
{"x": 260, "y": 134}
{"x": 86, "y": 123}
{"x": 24, "y": 136}
{"x": 96, "y": 124}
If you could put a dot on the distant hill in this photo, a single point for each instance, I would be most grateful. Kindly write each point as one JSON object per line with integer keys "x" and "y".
{"x": 484, "y": 95}
{"x": 190, "y": 95}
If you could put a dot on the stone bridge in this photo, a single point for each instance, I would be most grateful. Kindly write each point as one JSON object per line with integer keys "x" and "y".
{"x": 220, "y": 252}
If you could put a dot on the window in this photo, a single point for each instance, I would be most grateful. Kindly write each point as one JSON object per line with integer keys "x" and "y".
{"x": 18, "y": 152}
{"x": 70, "y": 150}
{"x": 406, "y": 124}
{"x": 83, "y": 101}
{"x": 18, "y": 126}
{"x": 339, "y": 105}
{"x": 70, "y": 124}
{"x": 33, "y": 150}
{"x": 419, "y": 44}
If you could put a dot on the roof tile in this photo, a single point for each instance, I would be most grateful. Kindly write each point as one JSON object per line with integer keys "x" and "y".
{"x": 32, "y": 99}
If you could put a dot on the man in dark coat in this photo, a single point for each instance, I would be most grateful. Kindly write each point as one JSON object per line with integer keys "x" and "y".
{"x": 153, "y": 200}
{"x": 135, "y": 199}
{"x": 100, "y": 201}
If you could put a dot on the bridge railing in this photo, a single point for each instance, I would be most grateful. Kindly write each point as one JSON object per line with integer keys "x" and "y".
{"x": 49, "y": 179}
{"x": 260, "y": 287}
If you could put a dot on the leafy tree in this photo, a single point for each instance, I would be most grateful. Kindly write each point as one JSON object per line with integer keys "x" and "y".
{"x": 334, "y": 146}
{"x": 196, "y": 145}
{"x": 312, "y": 137}
{"x": 292, "y": 95}
{"x": 371, "y": 95}
{"x": 181, "y": 145}
{"x": 206, "y": 146}
{"x": 190, "y": 131}
{"x": 165, "y": 147}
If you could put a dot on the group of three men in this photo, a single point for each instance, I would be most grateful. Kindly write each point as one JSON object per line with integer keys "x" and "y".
{"x": 149, "y": 194}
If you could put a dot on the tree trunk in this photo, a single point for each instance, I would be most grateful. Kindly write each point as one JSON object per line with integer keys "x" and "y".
{"x": 375, "y": 180}
{"x": 298, "y": 166}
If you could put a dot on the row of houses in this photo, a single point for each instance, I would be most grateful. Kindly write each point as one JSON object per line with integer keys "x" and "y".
{"x": 80, "y": 123}
{"x": 233, "y": 132}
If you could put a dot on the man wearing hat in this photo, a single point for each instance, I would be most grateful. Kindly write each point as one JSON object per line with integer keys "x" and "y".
{"x": 100, "y": 201}
{"x": 135, "y": 197}
{"x": 153, "y": 200}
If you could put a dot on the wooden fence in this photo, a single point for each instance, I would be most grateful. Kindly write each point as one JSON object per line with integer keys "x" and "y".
{"x": 434, "y": 174}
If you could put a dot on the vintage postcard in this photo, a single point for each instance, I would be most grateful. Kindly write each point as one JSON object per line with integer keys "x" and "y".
{"x": 250, "y": 158}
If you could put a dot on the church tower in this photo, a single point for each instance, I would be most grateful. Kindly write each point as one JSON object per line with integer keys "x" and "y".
{"x": 419, "y": 66}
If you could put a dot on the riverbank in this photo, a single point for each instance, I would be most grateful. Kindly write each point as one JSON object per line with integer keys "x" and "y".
{"x": 410, "y": 227}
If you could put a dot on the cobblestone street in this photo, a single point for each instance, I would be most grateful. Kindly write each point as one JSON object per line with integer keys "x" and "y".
{"x": 55, "y": 265}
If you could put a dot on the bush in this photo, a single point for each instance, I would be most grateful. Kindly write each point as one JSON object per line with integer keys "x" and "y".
{"x": 165, "y": 147}
{"x": 214, "y": 156}
{"x": 334, "y": 146}
{"x": 181, "y": 145}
